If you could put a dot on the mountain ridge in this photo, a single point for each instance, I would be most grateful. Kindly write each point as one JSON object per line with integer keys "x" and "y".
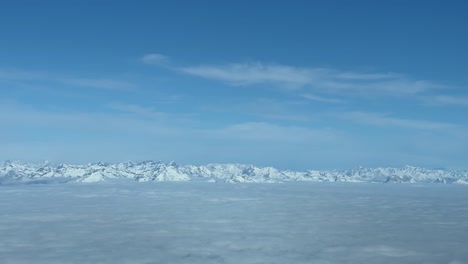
{"x": 146, "y": 171}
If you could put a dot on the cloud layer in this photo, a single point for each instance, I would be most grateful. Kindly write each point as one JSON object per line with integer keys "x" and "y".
{"x": 225, "y": 223}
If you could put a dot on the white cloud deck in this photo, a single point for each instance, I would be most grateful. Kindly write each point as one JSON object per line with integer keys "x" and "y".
{"x": 198, "y": 223}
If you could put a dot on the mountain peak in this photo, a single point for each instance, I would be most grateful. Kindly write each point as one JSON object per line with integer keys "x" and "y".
{"x": 172, "y": 163}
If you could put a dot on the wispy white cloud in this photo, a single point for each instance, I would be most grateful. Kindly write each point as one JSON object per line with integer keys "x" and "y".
{"x": 18, "y": 116}
{"x": 322, "y": 99}
{"x": 155, "y": 58}
{"x": 368, "y": 76}
{"x": 447, "y": 100}
{"x": 255, "y": 73}
{"x": 262, "y": 131}
{"x": 382, "y": 119}
{"x": 324, "y": 85}
{"x": 313, "y": 79}
{"x": 122, "y": 118}
{"x": 265, "y": 108}
{"x": 96, "y": 83}
{"x": 138, "y": 110}
{"x": 19, "y": 74}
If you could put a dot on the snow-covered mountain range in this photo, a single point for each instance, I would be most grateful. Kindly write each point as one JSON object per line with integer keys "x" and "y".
{"x": 14, "y": 172}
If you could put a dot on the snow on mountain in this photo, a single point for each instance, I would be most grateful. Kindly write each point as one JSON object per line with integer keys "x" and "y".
{"x": 160, "y": 171}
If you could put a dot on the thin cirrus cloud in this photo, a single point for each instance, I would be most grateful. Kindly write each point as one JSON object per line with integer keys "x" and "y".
{"x": 265, "y": 108}
{"x": 141, "y": 111}
{"x": 447, "y": 100}
{"x": 317, "y": 84}
{"x": 386, "y": 120}
{"x": 142, "y": 121}
{"x": 19, "y": 115}
{"x": 96, "y": 83}
{"x": 155, "y": 58}
{"x": 265, "y": 132}
{"x": 256, "y": 73}
{"x": 323, "y": 99}
{"x": 313, "y": 79}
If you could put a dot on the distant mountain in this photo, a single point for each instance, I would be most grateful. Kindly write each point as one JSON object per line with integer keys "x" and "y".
{"x": 21, "y": 172}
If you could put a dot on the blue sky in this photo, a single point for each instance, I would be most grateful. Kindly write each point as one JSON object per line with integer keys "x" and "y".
{"x": 295, "y": 85}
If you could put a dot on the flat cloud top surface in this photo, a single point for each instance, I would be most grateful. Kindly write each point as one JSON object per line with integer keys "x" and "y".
{"x": 241, "y": 223}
